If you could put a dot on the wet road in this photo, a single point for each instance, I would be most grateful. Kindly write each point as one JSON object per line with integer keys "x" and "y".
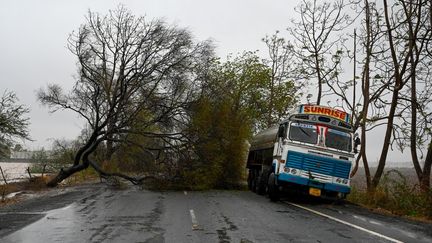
{"x": 102, "y": 214}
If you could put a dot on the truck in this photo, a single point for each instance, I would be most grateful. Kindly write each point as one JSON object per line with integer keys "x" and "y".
{"x": 311, "y": 152}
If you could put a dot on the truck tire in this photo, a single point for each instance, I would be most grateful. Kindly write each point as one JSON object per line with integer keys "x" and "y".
{"x": 273, "y": 189}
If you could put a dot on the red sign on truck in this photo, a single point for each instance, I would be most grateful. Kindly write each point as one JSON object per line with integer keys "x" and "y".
{"x": 327, "y": 111}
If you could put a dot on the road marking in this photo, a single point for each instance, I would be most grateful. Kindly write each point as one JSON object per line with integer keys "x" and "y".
{"x": 194, "y": 220}
{"x": 346, "y": 223}
{"x": 366, "y": 220}
{"x": 185, "y": 192}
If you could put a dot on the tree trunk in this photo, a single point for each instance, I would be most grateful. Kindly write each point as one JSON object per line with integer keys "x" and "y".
{"x": 3, "y": 176}
{"x": 43, "y": 170}
{"x": 387, "y": 137}
{"x": 413, "y": 138}
{"x": 397, "y": 74}
{"x": 77, "y": 166}
{"x": 86, "y": 162}
{"x": 270, "y": 112}
{"x": 365, "y": 160}
{"x": 366, "y": 99}
{"x": 413, "y": 103}
{"x": 28, "y": 171}
{"x": 65, "y": 173}
{"x": 356, "y": 165}
{"x": 425, "y": 179}
{"x": 318, "y": 71}
{"x": 109, "y": 143}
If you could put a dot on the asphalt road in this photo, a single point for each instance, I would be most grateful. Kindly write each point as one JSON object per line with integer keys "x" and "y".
{"x": 97, "y": 213}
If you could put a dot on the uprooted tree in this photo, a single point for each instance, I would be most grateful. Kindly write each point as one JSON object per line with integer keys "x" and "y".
{"x": 127, "y": 66}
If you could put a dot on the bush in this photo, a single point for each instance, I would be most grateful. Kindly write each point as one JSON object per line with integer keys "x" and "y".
{"x": 395, "y": 195}
{"x": 219, "y": 142}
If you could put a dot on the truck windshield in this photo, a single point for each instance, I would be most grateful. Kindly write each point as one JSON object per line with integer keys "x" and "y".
{"x": 303, "y": 132}
{"x": 338, "y": 140}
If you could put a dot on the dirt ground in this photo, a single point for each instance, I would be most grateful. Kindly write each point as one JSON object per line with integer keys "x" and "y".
{"x": 11, "y": 193}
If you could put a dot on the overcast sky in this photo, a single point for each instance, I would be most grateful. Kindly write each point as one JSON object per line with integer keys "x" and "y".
{"x": 33, "y": 53}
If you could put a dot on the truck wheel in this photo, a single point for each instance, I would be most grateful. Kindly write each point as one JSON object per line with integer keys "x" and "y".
{"x": 273, "y": 189}
{"x": 261, "y": 185}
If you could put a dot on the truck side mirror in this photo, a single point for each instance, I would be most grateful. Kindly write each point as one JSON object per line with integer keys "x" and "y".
{"x": 357, "y": 142}
{"x": 281, "y": 131}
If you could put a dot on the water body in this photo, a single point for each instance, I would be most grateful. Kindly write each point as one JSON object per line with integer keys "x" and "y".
{"x": 14, "y": 171}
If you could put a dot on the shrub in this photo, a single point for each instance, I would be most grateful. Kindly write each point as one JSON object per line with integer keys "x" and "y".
{"x": 395, "y": 195}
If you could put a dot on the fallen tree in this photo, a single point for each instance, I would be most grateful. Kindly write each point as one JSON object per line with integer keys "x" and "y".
{"x": 128, "y": 67}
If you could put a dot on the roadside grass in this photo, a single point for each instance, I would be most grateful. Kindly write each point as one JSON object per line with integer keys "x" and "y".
{"x": 34, "y": 184}
{"x": 395, "y": 196}
{"x": 38, "y": 183}
{"x": 84, "y": 176}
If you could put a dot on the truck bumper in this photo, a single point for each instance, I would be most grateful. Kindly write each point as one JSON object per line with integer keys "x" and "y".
{"x": 291, "y": 180}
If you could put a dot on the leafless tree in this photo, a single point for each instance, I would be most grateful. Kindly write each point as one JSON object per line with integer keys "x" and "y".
{"x": 403, "y": 26}
{"x": 367, "y": 45}
{"x": 415, "y": 99}
{"x": 131, "y": 71}
{"x": 394, "y": 41}
{"x": 281, "y": 61}
{"x": 317, "y": 48}
{"x": 13, "y": 123}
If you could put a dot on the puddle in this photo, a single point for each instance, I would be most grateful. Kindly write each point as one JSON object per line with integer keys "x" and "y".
{"x": 51, "y": 227}
{"x": 96, "y": 218}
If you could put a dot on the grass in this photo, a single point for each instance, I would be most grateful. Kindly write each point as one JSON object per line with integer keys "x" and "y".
{"x": 35, "y": 184}
{"x": 394, "y": 195}
{"x": 81, "y": 177}
{"x": 38, "y": 183}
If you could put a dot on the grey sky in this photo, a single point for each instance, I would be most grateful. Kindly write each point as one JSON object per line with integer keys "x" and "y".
{"x": 33, "y": 36}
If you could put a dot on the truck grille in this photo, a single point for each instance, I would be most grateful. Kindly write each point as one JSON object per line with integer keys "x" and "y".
{"x": 318, "y": 164}
{"x": 316, "y": 176}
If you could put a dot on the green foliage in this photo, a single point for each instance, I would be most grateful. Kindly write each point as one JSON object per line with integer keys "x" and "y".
{"x": 234, "y": 103}
{"x": 132, "y": 157}
{"x": 247, "y": 82}
{"x": 83, "y": 176}
{"x": 220, "y": 134}
{"x": 141, "y": 151}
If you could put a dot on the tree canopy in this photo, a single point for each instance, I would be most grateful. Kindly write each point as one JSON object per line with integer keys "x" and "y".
{"x": 127, "y": 65}
{"x": 13, "y": 122}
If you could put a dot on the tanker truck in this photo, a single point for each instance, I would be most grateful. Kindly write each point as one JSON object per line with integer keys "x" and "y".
{"x": 311, "y": 152}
